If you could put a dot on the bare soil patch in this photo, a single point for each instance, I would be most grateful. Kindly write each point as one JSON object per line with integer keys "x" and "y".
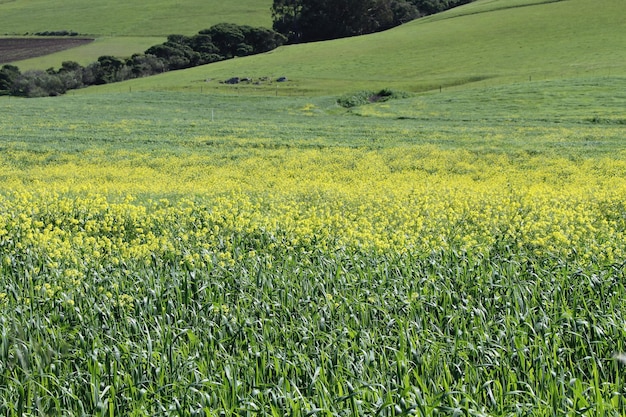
{"x": 16, "y": 49}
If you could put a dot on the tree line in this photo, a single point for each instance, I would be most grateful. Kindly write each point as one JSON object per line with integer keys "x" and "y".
{"x": 219, "y": 42}
{"x": 317, "y": 20}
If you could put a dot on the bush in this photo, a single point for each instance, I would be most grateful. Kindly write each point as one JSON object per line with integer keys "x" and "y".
{"x": 355, "y": 99}
{"x": 8, "y": 75}
{"x": 57, "y": 33}
{"x": 366, "y": 96}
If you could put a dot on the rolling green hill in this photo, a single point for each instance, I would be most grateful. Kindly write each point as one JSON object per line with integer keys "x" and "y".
{"x": 129, "y": 17}
{"x": 491, "y": 42}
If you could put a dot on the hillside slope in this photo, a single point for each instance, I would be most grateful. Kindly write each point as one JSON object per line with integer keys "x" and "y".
{"x": 129, "y": 17}
{"x": 492, "y": 41}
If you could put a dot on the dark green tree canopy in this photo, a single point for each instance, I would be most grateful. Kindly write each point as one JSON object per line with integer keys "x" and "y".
{"x": 8, "y": 74}
{"x": 315, "y": 20}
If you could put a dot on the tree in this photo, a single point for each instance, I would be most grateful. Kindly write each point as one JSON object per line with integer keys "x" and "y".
{"x": 70, "y": 66}
{"x": 179, "y": 39}
{"x": 286, "y": 15}
{"x": 203, "y": 43}
{"x": 226, "y": 37}
{"x": 175, "y": 55}
{"x": 71, "y": 75}
{"x": 142, "y": 65}
{"x": 403, "y": 12}
{"x": 109, "y": 67}
{"x": 262, "y": 39}
{"x": 8, "y": 75}
{"x": 37, "y": 84}
{"x": 314, "y": 20}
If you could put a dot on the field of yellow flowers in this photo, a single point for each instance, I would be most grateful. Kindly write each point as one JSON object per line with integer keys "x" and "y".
{"x": 288, "y": 258}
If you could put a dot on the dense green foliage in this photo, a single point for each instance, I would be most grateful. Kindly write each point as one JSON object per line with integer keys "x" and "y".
{"x": 364, "y": 97}
{"x": 8, "y": 75}
{"x": 222, "y": 41}
{"x": 315, "y": 20}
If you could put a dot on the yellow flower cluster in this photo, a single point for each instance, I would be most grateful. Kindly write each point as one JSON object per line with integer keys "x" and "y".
{"x": 397, "y": 200}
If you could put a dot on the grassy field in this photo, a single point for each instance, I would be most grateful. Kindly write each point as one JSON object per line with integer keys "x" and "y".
{"x": 192, "y": 254}
{"x": 128, "y": 18}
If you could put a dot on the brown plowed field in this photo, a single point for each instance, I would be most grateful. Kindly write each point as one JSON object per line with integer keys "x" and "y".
{"x": 16, "y": 49}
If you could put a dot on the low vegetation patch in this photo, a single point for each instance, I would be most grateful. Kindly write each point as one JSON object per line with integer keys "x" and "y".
{"x": 57, "y": 33}
{"x": 366, "y": 96}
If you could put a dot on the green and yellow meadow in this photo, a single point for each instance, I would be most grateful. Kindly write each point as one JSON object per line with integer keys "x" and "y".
{"x": 192, "y": 255}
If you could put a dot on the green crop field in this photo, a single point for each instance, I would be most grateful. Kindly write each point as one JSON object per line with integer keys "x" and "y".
{"x": 189, "y": 254}
{"x": 174, "y": 246}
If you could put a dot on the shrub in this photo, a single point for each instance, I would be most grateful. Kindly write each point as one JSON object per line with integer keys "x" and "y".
{"x": 366, "y": 96}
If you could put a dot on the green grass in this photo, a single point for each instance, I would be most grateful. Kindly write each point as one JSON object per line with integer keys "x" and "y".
{"x": 544, "y": 41}
{"x": 129, "y": 18}
{"x": 590, "y": 110}
{"x": 576, "y": 100}
{"x": 486, "y": 6}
